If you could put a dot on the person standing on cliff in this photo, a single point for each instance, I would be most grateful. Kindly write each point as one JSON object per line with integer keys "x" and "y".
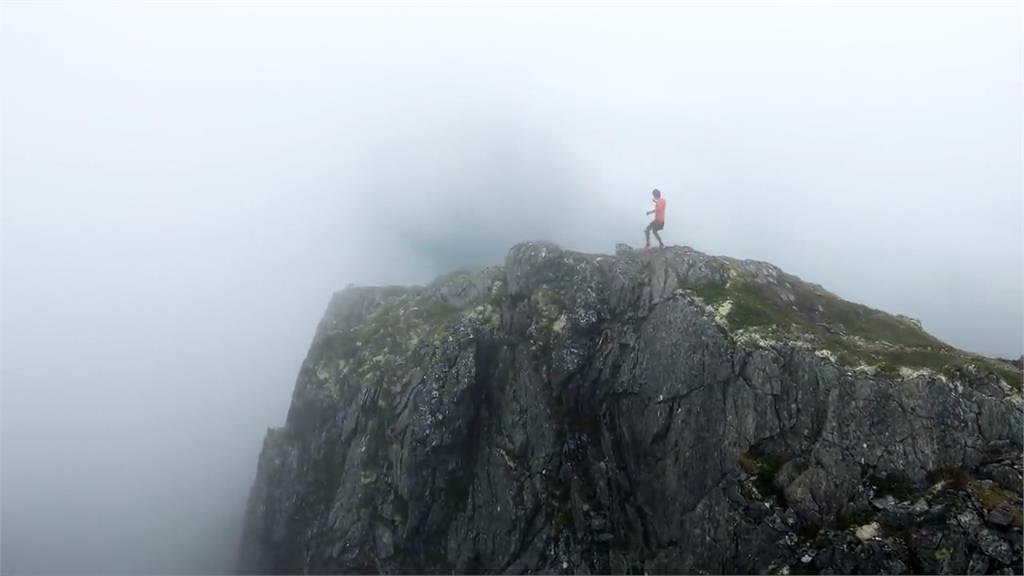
{"x": 659, "y": 219}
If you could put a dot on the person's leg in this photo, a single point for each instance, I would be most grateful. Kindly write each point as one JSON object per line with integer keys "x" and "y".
{"x": 647, "y": 234}
{"x": 658, "y": 236}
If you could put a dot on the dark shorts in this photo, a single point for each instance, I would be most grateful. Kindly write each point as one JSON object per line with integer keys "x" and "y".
{"x": 656, "y": 226}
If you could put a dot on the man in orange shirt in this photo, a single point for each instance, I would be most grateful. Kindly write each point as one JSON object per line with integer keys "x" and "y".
{"x": 659, "y": 219}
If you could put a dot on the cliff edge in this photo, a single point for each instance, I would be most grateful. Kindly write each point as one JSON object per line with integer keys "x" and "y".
{"x": 649, "y": 411}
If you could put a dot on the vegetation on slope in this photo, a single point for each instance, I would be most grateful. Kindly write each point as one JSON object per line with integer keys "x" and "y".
{"x": 781, "y": 306}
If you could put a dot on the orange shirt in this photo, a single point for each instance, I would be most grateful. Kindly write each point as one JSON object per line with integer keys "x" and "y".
{"x": 659, "y": 210}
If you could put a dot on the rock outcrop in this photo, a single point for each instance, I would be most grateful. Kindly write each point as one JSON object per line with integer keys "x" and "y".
{"x": 652, "y": 411}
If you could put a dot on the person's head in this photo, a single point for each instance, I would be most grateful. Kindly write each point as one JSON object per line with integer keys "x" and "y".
{"x": 656, "y": 193}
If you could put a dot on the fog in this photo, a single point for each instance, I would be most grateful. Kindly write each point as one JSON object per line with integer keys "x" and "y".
{"x": 183, "y": 187}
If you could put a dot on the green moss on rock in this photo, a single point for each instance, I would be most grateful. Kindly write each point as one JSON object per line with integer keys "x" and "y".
{"x": 992, "y": 496}
{"x": 397, "y": 334}
{"x": 785, "y": 307}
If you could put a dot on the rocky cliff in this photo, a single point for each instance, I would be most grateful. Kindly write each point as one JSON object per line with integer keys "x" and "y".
{"x": 656, "y": 411}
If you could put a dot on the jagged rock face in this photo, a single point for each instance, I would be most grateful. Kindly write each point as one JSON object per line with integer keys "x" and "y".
{"x": 661, "y": 411}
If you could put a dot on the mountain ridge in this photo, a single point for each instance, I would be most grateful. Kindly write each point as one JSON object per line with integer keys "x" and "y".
{"x": 545, "y": 415}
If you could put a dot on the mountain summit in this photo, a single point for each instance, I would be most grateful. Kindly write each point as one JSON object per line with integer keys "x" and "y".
{"x": 649, "y": 411}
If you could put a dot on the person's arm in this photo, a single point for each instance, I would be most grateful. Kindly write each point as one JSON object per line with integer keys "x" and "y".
{"x": 649, "y": 212}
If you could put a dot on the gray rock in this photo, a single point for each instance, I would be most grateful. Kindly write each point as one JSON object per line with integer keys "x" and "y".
{"x": 920, "y": 506}
{"x": 623, "y": 249}
{"x": 1001, "y": 515}
{"x": 978, "y": 564}
{"x": 660, "y": 411}
{"x": 994, "y": 546}
{"x": 884, "y": 503}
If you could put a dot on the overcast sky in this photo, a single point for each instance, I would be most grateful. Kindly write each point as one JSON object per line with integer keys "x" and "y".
{"x": 184, "y": 185}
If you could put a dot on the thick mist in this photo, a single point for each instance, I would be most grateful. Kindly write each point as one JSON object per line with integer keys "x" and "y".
{"x": 183, "y": 187}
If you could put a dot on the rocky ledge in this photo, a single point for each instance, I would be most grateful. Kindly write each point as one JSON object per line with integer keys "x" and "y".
{"x": 657, "y": 411}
